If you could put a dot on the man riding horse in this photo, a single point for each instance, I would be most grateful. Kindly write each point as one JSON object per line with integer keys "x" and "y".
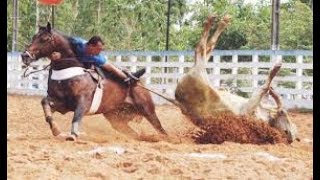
{"x": 90, "y": 52}
{"x": 72, "y": 87}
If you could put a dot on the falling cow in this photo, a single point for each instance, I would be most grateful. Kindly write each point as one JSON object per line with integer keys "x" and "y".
{"x": 201, "y": 102}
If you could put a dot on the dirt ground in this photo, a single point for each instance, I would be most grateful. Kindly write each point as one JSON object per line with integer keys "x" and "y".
{"x": 103, "y": 153}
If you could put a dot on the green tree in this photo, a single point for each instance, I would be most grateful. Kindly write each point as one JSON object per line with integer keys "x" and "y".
{"x": 141, "y": 24}
{"x": 296, "y": 22}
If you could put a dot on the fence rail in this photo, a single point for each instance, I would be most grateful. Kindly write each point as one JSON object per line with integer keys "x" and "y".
{"x": 244, "y": 69}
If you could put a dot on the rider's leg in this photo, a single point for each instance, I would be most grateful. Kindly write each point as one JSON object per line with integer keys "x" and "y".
{"x": 111, "y": 68}
{"x": 123, "y": 74}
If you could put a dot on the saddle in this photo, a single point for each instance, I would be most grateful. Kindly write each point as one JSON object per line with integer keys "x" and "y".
{"x": 97, "y": 75}
{"x": 95, "y": 72}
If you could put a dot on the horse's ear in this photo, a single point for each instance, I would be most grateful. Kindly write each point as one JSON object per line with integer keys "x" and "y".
{"x": 49, "y": 27}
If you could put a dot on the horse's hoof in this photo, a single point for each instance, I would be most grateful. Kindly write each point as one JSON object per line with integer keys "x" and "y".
{"x": 61, "y": 136}
{"x": 71, "y": 138}
{"x": 55, "y": 131}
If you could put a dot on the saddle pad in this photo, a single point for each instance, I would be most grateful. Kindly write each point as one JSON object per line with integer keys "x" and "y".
{"x": 67, "y": 73}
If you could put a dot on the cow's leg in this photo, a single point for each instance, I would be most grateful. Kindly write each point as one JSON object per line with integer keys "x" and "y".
{"x": 45, "y": 102}
{"x": 201, "y": 46}
{"x": 255, "y": 100}
{"x": 79, "y": 112}
{"x": 222, "y": 25}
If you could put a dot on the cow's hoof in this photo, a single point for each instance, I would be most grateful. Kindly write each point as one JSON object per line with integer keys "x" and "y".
{"x": 275, "y": 69}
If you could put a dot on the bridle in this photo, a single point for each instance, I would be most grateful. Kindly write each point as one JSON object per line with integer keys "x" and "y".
{"x": 25, "y": 74}
{"x": 51, "y": 40}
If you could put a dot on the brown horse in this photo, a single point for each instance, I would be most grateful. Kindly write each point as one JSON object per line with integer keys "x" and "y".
{"x": 71, "y": 87}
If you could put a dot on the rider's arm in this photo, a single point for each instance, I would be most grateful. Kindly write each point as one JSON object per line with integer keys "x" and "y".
{"x": 97, "y": 60}
{"x": 77, "y": 41}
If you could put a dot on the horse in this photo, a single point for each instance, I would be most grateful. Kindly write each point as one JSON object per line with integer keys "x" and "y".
{"x": 72, "y": 87}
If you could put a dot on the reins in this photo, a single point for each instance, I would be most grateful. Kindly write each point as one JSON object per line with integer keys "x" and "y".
{"x": 25, "y": 72}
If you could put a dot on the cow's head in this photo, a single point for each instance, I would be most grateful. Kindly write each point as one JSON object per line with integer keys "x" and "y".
{"x": 280, "y": 119}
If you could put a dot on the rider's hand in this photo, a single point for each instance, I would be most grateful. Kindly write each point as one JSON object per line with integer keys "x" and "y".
{"x": 55, "y": 56}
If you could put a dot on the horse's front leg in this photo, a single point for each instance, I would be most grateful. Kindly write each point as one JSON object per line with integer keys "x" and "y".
{"x": 80, "y": 110}
{"x": 45, "y": 102}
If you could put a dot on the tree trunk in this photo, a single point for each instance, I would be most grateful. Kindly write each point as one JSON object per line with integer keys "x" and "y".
{"x": 98, "y": 12}
{"x": 37, "y": 16}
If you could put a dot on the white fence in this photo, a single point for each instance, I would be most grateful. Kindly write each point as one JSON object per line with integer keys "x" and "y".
{"x": 244, "y": 69}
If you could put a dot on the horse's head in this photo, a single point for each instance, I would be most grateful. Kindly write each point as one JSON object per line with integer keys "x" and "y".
{"x": 42, "y": 45}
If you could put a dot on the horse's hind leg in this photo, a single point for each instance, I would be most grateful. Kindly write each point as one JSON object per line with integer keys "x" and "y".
{"x": 120, "y": 123}
{"x": 45, "y": 102}
{"x": 144, "y": 103}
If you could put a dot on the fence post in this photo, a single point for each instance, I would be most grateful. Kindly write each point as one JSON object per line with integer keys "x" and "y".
{"x": 118, "y": 58}
{"x": 299, "y": 73}
{"x": 276, "y": 59}
{"x": 181, "y": 67}
{"x": 133, "y": 59}
{"x": 255, "y": 59}
{"x": 164, "y": 79}
{"x": 216, "y": 71}
{"x": 148, "y": 69}
{"x": 234, "y": 70}
{"x": 181, "y": 61}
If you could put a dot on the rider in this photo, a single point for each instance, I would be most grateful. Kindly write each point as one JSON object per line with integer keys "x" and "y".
{"x": 90, "y": 51}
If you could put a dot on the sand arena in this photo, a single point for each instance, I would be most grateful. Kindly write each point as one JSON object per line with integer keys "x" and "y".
{"x": 103, "y": 153}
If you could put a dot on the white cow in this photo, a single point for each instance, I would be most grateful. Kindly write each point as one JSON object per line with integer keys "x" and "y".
{"x": 199, "y": 100}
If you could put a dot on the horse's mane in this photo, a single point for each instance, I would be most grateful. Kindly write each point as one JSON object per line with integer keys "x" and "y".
{"x": 65, "y": 36}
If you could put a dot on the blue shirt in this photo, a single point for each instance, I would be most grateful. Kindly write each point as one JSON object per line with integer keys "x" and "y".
{"x": 80, "y": 45}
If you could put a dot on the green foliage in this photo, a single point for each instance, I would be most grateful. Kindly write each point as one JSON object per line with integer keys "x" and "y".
{"x": 296, "y": 22}
{"x": 141, "y": 24}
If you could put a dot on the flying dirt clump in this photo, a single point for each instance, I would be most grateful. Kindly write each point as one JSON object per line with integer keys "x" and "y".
{"x": 239, "y": 129}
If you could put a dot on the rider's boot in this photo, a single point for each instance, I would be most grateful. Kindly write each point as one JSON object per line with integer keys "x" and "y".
{"x": 126, "y": 76}
{"x": 133, "y": 77}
